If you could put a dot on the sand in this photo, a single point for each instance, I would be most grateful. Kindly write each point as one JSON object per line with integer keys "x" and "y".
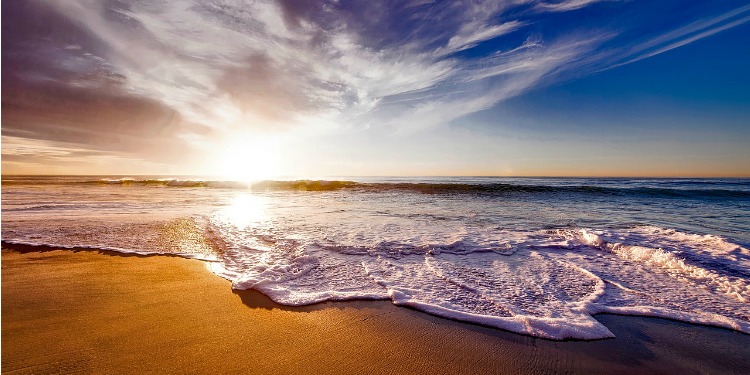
{"x": 102, "y": 312}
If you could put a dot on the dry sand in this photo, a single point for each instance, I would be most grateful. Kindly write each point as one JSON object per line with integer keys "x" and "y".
{"x": 105, "y": 313}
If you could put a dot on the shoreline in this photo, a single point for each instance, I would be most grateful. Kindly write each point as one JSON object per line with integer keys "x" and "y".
{"x": 99, "y": 311}
{"x": 31, "y": 248}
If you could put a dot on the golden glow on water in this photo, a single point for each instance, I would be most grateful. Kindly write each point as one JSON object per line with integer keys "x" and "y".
{"x": 245, "y": 210}
{"x": 183, "y": 236}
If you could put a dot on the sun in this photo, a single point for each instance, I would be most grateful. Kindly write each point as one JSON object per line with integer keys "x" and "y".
{"x": 249, "y": 159}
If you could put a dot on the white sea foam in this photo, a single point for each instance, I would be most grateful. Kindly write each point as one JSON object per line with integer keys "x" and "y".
{"x": 671, "y": 244}
{"x": 549, "y": 285}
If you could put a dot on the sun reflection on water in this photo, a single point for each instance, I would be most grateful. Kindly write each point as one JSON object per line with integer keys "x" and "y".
{"x": 245, "y": 210}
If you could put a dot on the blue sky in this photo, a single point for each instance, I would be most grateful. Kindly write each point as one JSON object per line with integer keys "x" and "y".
{"x": 526, "y": 87}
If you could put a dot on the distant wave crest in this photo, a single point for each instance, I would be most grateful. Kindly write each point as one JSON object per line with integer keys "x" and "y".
{"x": 416, "y": 187}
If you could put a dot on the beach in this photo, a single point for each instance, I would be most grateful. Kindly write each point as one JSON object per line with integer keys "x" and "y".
{"x": 67, "y": 311}
{"x": 408, "y": 187}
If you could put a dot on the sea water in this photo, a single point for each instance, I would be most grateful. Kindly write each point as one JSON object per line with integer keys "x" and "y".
{"x": 537, "y": 256}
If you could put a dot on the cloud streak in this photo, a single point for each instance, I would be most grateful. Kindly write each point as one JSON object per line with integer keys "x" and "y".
{"x": 685, "y": 35}
{"x": 564, "y": 6}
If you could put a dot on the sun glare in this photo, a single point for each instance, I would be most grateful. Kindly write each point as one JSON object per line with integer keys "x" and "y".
{"x": 249, "y": 160}
{"x": 245, "y": 210}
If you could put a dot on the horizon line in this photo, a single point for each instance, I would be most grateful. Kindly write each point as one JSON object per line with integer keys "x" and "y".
{"x": 383, "y": 176}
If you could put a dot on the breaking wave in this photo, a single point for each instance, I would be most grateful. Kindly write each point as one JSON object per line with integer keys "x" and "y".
{"x": 674, "y": 189}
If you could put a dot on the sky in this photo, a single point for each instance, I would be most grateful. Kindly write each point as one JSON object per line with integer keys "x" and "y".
{"x": 292, "y": 88}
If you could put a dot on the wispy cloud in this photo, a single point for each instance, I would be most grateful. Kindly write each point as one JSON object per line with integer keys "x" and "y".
{"x": 485, "y": 82}
{"x": 228, "y": 64}
{"x": 27, "y": 155}
{"x": 472, "y": 34}
{"x": 683, "y": 35}
{"x": 567, "y": 5}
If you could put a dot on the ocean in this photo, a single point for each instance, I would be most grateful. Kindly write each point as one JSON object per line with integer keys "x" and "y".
{"x": 537, "y": 256}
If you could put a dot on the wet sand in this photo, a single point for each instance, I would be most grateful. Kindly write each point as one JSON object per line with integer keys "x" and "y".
{"x": 102, "y": 312}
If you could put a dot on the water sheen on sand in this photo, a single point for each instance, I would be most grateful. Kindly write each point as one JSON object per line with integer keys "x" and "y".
{"x": 534, "y": 256}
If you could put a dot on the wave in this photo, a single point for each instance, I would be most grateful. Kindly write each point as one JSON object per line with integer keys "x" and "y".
{"x": 734, "y": 284}
{"x": 167, "y": 182}
{"x": 675, "y": 189}
{"x": 545, "y": 283}
{"x": 31, "y": 246}
{"x": 503, "y": 188}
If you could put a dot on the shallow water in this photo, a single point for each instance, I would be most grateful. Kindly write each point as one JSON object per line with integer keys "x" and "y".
{"x": 532, "y": 255}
